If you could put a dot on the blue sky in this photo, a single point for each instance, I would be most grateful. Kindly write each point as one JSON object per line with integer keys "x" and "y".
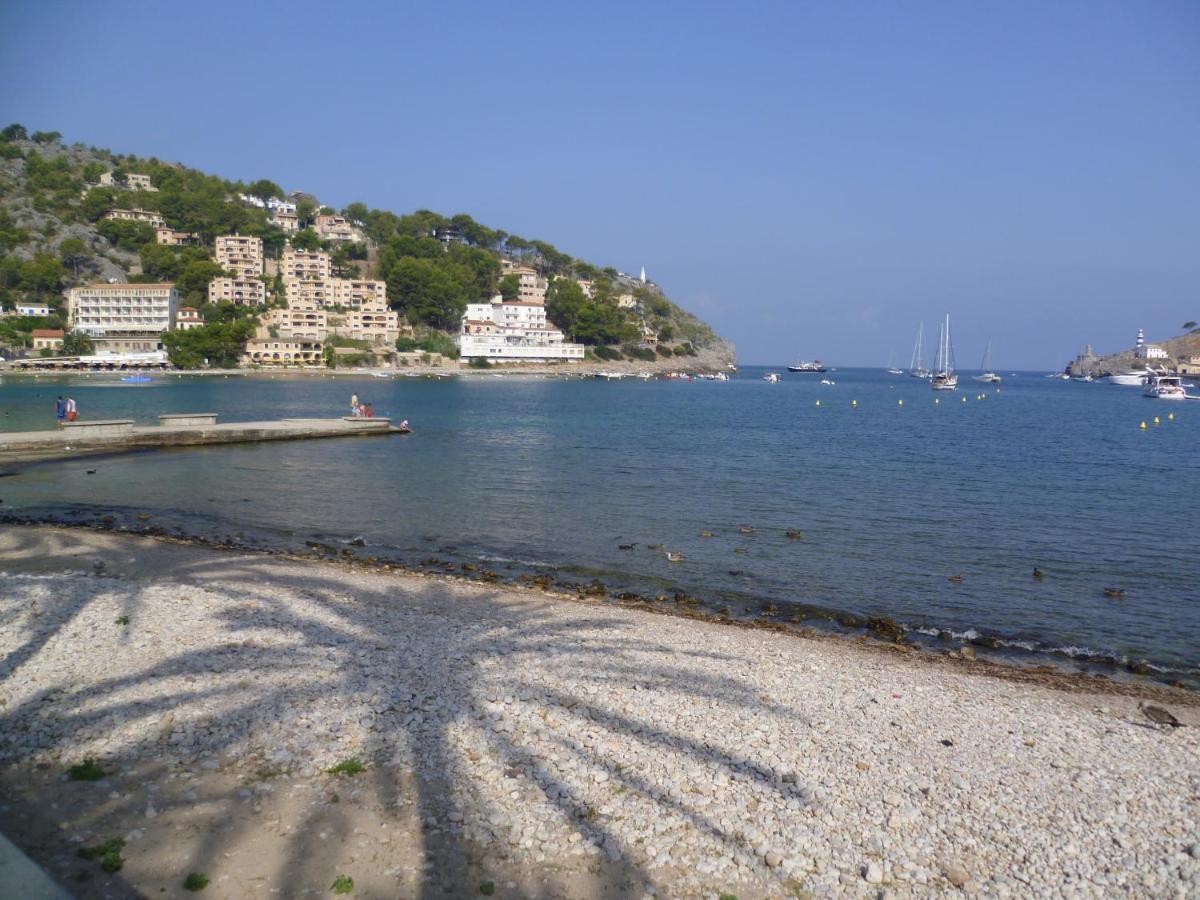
{"x": 813, "y": 179}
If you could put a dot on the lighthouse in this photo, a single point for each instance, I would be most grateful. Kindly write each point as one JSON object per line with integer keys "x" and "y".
{"x": 1141, "y": 340}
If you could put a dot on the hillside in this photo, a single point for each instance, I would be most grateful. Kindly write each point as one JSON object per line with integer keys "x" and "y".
{"x": 1179, "y": 349}
{"x": 53, "y": 236}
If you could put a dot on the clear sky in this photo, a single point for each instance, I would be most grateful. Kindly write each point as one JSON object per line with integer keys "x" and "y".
{"x": 812, "y": 179}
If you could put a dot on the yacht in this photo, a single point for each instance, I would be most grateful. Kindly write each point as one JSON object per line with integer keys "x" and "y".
{"x": 917, "y": 367}
{"x": 944, "y": 378}
{"x": 805, "y": 366}
{"x": 1165, "y": 387}
{"x": 985, "y": 368}
{"x": 1131, "y": 378}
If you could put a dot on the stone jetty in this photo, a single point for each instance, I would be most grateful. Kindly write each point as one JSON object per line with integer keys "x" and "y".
{"x": 177, "y": 430}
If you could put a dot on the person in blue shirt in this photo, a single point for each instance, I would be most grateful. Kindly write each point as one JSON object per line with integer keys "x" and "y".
{"x": 60, "y": 409}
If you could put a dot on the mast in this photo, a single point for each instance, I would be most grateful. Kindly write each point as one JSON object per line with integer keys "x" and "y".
{"x": 949, "y": 348}
{"x": 915, "y": 365}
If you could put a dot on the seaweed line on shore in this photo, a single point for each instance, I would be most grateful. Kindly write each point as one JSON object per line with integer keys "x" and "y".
{"x": 880, "y": 635}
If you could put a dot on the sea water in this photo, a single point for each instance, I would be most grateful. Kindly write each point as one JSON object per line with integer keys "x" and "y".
{"x": 553, "y": 475}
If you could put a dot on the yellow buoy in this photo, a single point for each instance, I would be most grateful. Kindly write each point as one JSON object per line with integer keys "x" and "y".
{"x": 854, "y": 403}
{"x": 1171, "y": 416}
{"x": 937, "y": 400}
{"x": 1156, "y": 420}
{"x": 964, "y": 399}
{"x": 901, "y": 402}
{"x": 818, "y": 403}
{"x": 1142, "y": 426}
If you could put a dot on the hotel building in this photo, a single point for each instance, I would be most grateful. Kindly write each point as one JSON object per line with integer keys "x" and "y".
{"x": 123, "y": 318}
{"x": 512, "y": 330}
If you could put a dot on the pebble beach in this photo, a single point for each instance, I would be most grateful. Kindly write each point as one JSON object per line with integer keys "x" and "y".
{"x": 275, "y": 723}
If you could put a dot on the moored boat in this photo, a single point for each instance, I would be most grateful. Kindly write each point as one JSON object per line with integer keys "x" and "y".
{"x": 1131, "y": 378}
{"x": 986, "y": 374}
{"x": 944, "y": 377}
{"x": 1165, "y": 387}
{"x": 806, "y": 366}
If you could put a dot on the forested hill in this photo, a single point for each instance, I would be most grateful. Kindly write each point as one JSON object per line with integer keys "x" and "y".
{"x": 53, "y": 235}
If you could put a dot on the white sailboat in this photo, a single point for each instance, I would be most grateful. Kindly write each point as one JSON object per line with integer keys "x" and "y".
{"x": 944, "y": 378}
{"x": 916, "y": 368}
{"x": 985, "y": 368}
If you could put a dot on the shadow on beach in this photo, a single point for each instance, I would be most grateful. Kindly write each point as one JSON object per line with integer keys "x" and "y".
{"x": 440, "y": 691}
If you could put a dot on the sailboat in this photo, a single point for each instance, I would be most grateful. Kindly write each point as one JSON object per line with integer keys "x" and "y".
{"x": 944, "y": 378}
{"x": 892, "y": 370}
{"x": 917, "y": 367}
{"x": 985, "y": 367}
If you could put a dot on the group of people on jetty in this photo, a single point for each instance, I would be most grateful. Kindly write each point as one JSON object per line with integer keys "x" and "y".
{"x": 65, "y": 410}
{"x": 361, "y": 410}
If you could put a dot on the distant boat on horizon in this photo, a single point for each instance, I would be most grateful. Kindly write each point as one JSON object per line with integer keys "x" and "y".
{"x": 916, "y": 368}
{"x": 985, "y": 367}
{"x": 806, "y": 366}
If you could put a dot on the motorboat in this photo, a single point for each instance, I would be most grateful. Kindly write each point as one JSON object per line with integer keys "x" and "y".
{"x": 1165, "y": 387}
{"x": 136, "y": 379}
{"x": 827, "y": 381}
{"x": 806, "y": 366}
{"x": 771, "y": 378}
{"x": 1131, "y": 378}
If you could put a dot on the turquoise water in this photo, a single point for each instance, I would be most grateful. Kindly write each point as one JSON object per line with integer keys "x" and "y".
{"x": 553, "y": 475}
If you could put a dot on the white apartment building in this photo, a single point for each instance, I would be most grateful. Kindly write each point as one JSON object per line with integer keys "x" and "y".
{"x": 239, "y": 291}
{"x": 265, "y": 350}
{"x": 274, "y": 204}
{"x": 32, "y": 309}
{"x": 137, "y": 310}
{"x": 137, "y": 215}
{"x": 298, "y": 322}
{"x": 239, "y": 254}
{"x": 371, "y": 322}
{"x": 310, "y": 264}
{"x": 513, "y": 330}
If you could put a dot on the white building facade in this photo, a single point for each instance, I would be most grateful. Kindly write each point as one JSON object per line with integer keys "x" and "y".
{"x": 123, "y": 309}
{"x": 515, "y": 330}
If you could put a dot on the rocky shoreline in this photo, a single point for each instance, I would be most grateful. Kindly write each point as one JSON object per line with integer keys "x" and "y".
{"x": 514, "y": 743}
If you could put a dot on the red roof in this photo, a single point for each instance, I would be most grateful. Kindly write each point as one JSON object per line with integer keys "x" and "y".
{"x": 47, "y": 332}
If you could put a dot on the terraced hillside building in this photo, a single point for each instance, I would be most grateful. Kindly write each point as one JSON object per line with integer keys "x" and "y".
{"x": 123, "y": 318}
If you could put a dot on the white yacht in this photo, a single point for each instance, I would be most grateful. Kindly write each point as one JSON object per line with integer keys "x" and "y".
{"x": 944, "y": 378}
{"x": 771, "y": 378}
{"x": 986, "y": 374}
{"x": 1165, "y": 387}
{"x": 1131, "y": 378}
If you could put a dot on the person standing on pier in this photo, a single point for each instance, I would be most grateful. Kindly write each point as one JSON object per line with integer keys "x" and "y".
{"x": 354, "y": 404}
{"x": 60, "y": 410}
{"x": 72, "y": 413}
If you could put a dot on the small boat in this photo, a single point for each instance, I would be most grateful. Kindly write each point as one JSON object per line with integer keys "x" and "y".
{"x": 1082, "y": 378}
{"x": 891, "y": 369}
{"x": 1130, "y": 378}
{"x": 1165, "y": 387}
{"x": 136, "y": 379}
{"x": 985, "y": 368}
{"x": 771, "y": 378}
{"x": 806, "y": 366}
{"x": 827, "y": 381}
{"x": 382, "y": 374}
{"x": 944, "y": 378}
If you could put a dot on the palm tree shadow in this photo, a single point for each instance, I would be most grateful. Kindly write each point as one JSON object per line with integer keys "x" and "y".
{"x": 314, "y": 641}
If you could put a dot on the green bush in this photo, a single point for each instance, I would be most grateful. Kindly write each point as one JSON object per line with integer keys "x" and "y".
{"x": 607, "y": 353}
{"x": 643, "y": 353}
{"x": 664, "y": 351}
{"x": 479, "y": 362}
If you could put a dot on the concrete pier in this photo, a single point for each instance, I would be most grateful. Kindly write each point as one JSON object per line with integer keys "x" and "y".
{"x": 115, "y": 435}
